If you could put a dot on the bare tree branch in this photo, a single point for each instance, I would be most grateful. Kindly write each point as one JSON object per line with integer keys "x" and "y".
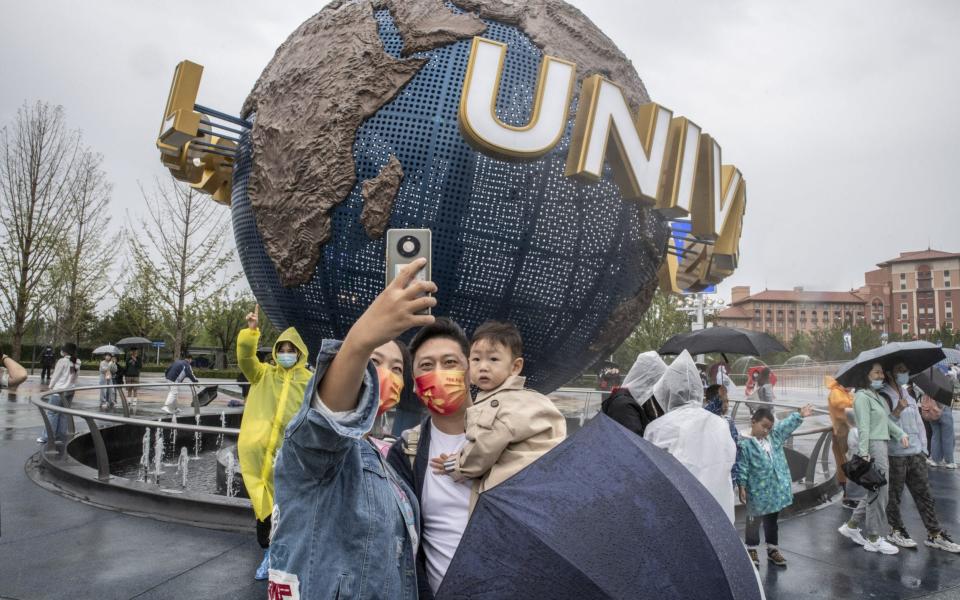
{"x": 37, "y": 174}
{"x": 182, "y": 243}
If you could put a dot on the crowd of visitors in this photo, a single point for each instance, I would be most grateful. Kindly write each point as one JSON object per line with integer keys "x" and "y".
{"x": 330, "y": 498}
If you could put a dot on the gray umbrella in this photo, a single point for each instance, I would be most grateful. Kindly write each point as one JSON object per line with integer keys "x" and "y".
{"x": 134, "y": 341}
{"x": 936, "y": 385}
{"x": 108, "y": 349}
{"x": 952, "y": 356}
{"x": 917, "y": 356}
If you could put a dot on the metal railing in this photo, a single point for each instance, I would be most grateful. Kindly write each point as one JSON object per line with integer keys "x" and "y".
{"x": 821, "y": 447}
{"x": 91, "y": 417}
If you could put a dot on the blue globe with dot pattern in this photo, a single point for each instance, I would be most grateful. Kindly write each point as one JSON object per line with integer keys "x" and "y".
{"x": 573, "y": 265}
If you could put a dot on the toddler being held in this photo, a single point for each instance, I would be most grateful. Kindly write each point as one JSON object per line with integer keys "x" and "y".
{"x": 508, "y": 427}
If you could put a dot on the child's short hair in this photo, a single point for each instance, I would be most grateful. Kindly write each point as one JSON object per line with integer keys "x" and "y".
{"x": 499, "y": 332}
{"x": 762, "y": 413}
{"x": 442, "y": 327}
{"x": 712, "y": 390}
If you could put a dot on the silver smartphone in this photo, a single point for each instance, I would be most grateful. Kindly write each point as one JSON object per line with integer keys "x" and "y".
{"x": 405, "y": 246}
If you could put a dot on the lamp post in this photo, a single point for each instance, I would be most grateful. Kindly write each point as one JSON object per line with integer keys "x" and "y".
{"x": 698, "y": 305}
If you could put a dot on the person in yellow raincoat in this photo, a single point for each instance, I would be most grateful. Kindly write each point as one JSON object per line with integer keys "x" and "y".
{"x": 839, "y": 400}
{"x": 276, "y": 393}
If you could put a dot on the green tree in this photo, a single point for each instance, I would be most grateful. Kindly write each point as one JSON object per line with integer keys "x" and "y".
{"x": 38, "y": 159}
{"x": 223, "y": 318}
{"x": 77, "y": 280}
{"x": 182, "y": 244}
{"x": 663, "y": 320}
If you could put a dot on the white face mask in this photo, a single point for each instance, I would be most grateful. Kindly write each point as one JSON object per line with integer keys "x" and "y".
{"x": 286, "y": 359}
{"x": 903, "y": 378}
{"x": 876, "y": 384}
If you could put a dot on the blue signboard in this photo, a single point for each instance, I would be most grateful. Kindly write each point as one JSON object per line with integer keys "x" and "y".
{"x": 679, "y": 230}
{"x": 158, "y": 344}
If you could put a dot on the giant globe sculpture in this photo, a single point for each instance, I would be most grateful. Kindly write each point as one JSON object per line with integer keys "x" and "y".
{"x": 355, "y": 129}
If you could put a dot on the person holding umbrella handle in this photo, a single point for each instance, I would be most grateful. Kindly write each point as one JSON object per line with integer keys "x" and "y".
{"x": 876, "y": 430}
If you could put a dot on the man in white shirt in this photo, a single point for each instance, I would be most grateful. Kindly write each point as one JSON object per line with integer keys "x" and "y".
{"x": 444, "y": 503}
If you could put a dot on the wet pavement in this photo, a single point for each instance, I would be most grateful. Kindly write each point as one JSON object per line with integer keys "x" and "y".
{"x": 54, "y": 547}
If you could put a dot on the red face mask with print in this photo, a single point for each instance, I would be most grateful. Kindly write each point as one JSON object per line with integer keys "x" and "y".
{"x": 391, "y": 385}
{"x": 442, "y": 391}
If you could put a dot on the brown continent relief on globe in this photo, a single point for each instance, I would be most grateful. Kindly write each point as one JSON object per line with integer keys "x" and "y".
{"x": 332, "y": 73}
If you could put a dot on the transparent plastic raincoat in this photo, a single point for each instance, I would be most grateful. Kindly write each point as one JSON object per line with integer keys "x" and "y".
{"x": 699, "y": 439}
{"x": 275, "y": 396}
{"x": 644, "y": 375}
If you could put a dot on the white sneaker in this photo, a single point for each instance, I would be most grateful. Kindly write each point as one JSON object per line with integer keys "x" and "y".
{"x": 852, "y": 534}
{"x": 950, "y": 466}
{"x": 931, "y": 462}
{"x": 881, "y": 545}
{"x": 943, "y": 542}
{"x": 167, "y": 410}
{"x": 902, "y": 539}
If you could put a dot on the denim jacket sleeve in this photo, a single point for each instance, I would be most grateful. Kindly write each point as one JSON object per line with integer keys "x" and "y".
{"x": 323, "y": 435}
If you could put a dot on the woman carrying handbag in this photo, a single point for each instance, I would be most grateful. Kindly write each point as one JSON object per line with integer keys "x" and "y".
{"x": 876, "y": 429}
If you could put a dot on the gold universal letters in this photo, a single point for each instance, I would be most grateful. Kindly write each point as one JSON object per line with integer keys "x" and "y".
{"x": 184, "y": 147}
{"x": 478, "y": 104}
{"x": 660, "y": 160}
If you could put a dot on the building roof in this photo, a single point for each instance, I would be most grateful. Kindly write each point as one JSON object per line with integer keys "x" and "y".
{"x": 733, "y": 312}
{"x": 919, "y": 255}
{"x": 803, "y": 296}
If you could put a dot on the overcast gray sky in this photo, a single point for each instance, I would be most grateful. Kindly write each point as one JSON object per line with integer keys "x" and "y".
{"x": 842, "y": 115}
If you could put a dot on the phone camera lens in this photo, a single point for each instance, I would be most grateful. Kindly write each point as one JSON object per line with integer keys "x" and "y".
{"x": 408, "y": 246}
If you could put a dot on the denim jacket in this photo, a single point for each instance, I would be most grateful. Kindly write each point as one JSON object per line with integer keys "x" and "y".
{"x": 344, "y": 524}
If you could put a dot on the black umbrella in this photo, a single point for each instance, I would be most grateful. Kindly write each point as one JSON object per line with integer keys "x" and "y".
{"x": 605, "y": 514}
{"x": 727, "y": 340}
{"x": 935, "y": 384}
{"x": 917, "y": 356}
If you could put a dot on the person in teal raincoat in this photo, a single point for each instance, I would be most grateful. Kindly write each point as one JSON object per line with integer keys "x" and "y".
{"x": 764, "y": 478}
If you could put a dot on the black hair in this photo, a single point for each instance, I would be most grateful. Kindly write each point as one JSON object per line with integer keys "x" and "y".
{"x": 764, "y": 377}
{"x": 762, "y": 413}
{"x": 187, "y": 356}
{"x": 71, "y": 350}
{"x": 405, "y": 354}
{"x": 499, "y": 332}
{"x": 442, "y": 327}
{"x": 712, "y": 390}
{"x": 865, "y": 378}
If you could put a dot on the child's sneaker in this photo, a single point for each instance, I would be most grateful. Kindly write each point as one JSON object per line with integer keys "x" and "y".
{"x": 754, "y": 557}
{"x": 880, "y": 545}
{"x": 901, "y": 538}
{"x": 852, "y": 534}
{"x": 776, "y": 558}
{"x": 943, "y": 542}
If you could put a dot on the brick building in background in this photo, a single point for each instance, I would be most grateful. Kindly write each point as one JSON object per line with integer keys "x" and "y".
{"x": 912, "y": 295}
{"x": 785, "y": 313}
{"x": 916, "y": 293}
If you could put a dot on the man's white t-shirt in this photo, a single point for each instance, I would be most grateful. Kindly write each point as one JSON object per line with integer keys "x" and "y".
{"x": 444, "y": 506}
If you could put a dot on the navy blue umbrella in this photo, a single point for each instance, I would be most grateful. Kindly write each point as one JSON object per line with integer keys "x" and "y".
{"x": 604, "y": 515}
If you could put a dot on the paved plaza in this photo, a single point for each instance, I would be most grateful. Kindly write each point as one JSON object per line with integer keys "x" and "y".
{"x": 54, "y": 547}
